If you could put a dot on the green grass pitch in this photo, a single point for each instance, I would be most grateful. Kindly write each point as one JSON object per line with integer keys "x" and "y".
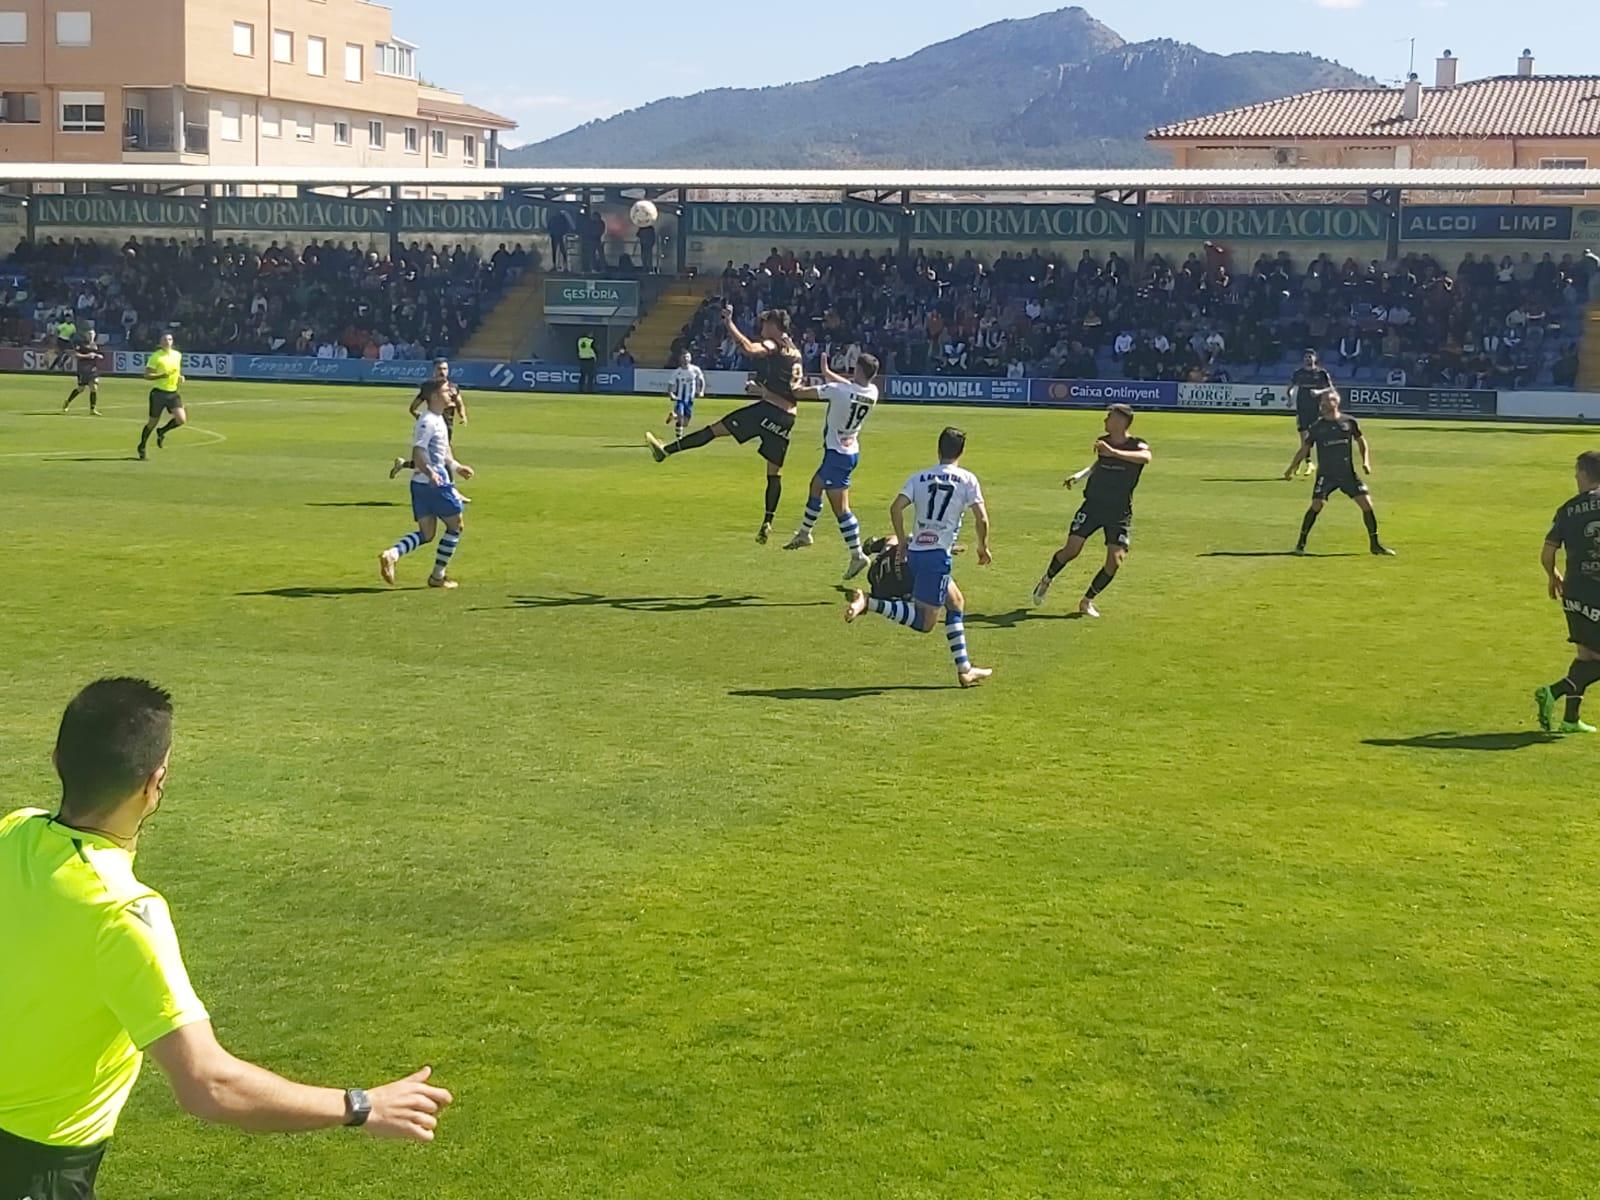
{"x": 1261, "y": 886}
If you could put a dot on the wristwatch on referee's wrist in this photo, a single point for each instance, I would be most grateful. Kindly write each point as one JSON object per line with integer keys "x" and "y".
{"x": 357, "y": 1106}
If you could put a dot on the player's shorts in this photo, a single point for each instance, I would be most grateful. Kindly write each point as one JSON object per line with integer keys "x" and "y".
{"x": 683, "y": 411}
{"x": 47, "y": 1172}
{"x": 1118, "y": 526}
{"x": 88, "y": 378}
{"x": 163, "y": 402}
{"x": 429, "y": 500}
{"x": 1305, "y": 418}
{"x": 930, "y": 576}
{"x": 1327, "y": 485}
{"x": 837, "y": 469}
{"x": 1583, "y": 616}
{"x": 765, "y": 421}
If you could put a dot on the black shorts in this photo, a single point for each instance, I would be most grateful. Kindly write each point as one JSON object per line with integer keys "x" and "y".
{"x": 1583, "y": 617}
{"x": 1304, "y": 419}
{"x": 28, "y": 1169}
{"x": 1327, "y": 485}
{"x": 163, "y": 402}
{"x": 1118, "y": 526}
{"x": 88, "y": 378}
{"x": 765, "y": 421}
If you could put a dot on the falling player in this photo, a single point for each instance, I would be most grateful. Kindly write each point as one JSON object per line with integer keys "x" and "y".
{"x": 89, "y": 360}
{"x": 433, "y": 493}
{"x": 1307, "y": 387}
{"x": 940, "y": 497}
{"x": 850, "y": 402}
{"x": 164, "y": 370}
{"x": 687, "y": 384}
{"x": 1336, "y": 438}
{"x": 777, "y": 370}
{"x": 1107, "y": 505}
{"x": 1577, "y": 530}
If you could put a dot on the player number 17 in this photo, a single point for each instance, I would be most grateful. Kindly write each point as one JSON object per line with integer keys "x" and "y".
{"x": 939, "y": 496}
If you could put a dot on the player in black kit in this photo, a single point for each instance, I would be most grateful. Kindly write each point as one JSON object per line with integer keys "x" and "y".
{"x": 777, "y": 370}
{"x": 89, "y": 359}
{"x": 1307, "y": 386}
{"x": 1577, "y": 530}
{"x": 1336, "y": 438}
{"x": 1120, "y": 459}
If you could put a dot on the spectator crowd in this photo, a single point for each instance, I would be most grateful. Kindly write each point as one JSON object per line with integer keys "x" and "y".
{"x": 323, "y": 299}
{"x": 1495, "y": 323}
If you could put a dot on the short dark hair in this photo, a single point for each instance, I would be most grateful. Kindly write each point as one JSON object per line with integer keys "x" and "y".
{"x": 952, "y": 443}
{"x": 870, "y": 365}
{"x": 113, "y": 735}
{"x": 1589, "y": 463}
{"x": 1124, "y": 411}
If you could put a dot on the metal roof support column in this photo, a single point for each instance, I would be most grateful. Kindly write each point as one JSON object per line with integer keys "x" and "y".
{"x": 1137, "y": 216}
{"x": 393, "y": 220}
{"x": 681, "y": 210}
{"x": 907, "y": 220}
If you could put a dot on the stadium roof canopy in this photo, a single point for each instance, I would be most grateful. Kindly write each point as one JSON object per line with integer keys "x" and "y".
{"x": 861, "y": 180}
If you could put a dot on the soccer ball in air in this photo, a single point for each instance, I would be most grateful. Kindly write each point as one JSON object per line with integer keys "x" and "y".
{"x": 644, "y": 213}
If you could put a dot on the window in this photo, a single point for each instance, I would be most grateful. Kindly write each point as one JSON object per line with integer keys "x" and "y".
{"x": 396, "y": 59}
{"x": 1562, "y": 164}
{"x": 244, "y": 39}
{"x": 341, "y": 132}
{"x": 74, "y": 29}
{"x": 413, "y": 140}
{"x": 271, "y": 121}
{"x": 304, "y": 129}
{"x": 19, "y": 108}
{"x": 440, "y": 143}
{"x": 352, "y": 63}
{"x": 1456, "y": 162}
{"x": 13, "y": 28}
{"x": 231, "y": 190}
{"x": 375, "y": 135}
{"x": 469, "y": 148}
{"x": 83, "y": 112}
{"x": 282, "y": 46}
{"x": 229, "y": 123}
{"x": 316, "y": 56}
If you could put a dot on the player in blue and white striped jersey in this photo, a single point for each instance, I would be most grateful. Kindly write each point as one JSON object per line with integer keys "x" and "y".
{"x": 850, "y": 403}
{"x": 688, "y": 384}
{"x": 433, "y": 493}
{"x": 938, "y": 497}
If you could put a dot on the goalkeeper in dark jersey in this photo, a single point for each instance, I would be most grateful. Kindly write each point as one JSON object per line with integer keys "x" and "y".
{"x": 777, "y": 369}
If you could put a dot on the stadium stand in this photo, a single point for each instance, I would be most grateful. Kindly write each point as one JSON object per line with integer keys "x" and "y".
{"x": 1500, "y": 323}
{"x": 321, "y": 299}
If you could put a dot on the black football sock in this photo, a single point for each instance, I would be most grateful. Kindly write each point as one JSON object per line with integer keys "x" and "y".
{"x": 1102, "y": 581}
{"x": 144, "y": 438}
{"x": 1371, "y": 519}
{"x": 1305, "y": 525}
{"x": 1574, "y": 710}
{"x": 774, "y": 494}
{"x": 693, "y": 441}
{"x": 1579, "y": 676}
{"x": 167, "y": 428}
{"x": 73, "y": 396}
{"x": 1058, "y": 564}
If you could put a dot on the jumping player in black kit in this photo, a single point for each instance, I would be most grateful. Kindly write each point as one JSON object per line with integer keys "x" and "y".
{"x": 1307, "y": 387}
{"x": 89, "y": 359}
{"x": 1577, "y": 530}
{"x": 1336, "y": 438}
{"x": 1119, "y": 460}
{"x": 778, "y": 370}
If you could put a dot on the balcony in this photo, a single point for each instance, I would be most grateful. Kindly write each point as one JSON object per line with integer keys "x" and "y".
{"x": 165, "y": 125}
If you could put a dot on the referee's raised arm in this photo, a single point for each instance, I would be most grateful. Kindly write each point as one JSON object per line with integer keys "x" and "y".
{"x": 89, "y": 954}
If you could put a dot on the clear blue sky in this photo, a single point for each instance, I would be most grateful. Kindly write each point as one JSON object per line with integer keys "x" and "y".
{"x": 551, "y": 72}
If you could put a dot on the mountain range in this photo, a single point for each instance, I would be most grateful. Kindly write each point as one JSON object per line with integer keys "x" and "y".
{"x": 1057, "y": 90}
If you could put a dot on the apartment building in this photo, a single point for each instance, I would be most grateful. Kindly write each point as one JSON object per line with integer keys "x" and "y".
{"x": 228, "y": 83}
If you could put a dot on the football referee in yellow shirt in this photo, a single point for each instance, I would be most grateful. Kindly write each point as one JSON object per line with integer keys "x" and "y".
{"x": 164, "y": 370}
{"x": 92, "y": 976}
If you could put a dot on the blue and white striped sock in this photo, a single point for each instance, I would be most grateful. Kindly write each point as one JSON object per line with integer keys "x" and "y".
{"x": 851, "y": 529}
{"x": 406, "y": 545}
{"x": 901, "y": 612}
{"x": 447, "y": 551}
{"x": 955, "y": 632}
{"x": 813, "y": 514}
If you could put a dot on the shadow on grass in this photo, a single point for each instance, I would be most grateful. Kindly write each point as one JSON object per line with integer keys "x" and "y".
{"x": 89, "y": 458}
{"x": 1516, "y": 430}
{"x": 657, "y": 604}
{"x": 836, "y": 694}
{"x": 353, "y": 504}
{"x": 1519, "y": 739}
{"x": 1247, "y": 479}
{"x": 1275, "y": 554}
{"x": 1017, "y": 616}
{"x": 325, "y": 593}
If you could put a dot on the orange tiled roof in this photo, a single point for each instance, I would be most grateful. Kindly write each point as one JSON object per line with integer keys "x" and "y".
{"x": 463, "y": 114}
{"x": 1501, "y": 106}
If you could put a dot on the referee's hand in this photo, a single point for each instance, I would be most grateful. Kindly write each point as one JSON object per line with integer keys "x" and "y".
{"x": 408, "y": 1108}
